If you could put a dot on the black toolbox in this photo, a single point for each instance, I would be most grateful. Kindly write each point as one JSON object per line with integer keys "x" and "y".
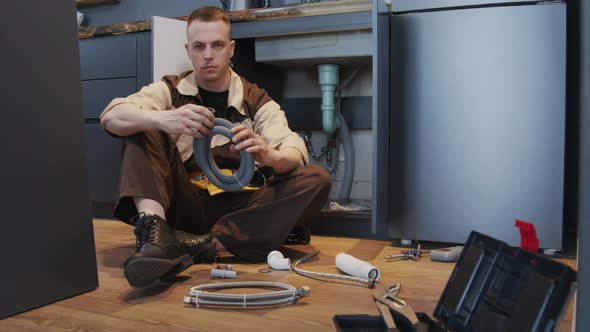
{"x": 493, "y": 287}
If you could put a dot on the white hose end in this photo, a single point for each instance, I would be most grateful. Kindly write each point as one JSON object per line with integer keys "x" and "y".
{"x": 277, "y": 261}
{"x": 356, "y": 267}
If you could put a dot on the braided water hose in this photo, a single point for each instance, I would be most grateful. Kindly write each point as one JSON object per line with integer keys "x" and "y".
{"x": 287, "y": 294}
{"x": 204, "y": 158}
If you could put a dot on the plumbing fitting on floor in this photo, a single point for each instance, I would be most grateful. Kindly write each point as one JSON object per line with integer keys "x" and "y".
{"x": 413, "y": 254}
{"x": 277, "y": 261}
{"x": 208, "y": 295}
{"x": 447, "y": 254}
{"x": 223, "y": 272}
{"x": 360, "y": 271}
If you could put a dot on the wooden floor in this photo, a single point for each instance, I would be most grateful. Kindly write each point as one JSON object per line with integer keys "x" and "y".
{"x": 116, "y": 306}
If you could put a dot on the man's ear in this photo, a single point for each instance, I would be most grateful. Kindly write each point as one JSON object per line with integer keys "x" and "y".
{"x": 232, "y": 45}
{"x": 186, "y": 48}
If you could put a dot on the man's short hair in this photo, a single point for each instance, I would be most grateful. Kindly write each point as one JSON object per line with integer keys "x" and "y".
{"x": 208, "y": 14}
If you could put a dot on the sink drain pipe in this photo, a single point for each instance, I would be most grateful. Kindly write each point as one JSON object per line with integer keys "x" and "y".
{"x": 328, "y": 79}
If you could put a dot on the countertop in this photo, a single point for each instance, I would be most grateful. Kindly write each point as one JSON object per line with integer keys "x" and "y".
{"x": 244, "y": 16}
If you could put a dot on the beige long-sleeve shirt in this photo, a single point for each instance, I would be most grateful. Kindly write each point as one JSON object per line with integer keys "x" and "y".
{"x": 247, "y": 103}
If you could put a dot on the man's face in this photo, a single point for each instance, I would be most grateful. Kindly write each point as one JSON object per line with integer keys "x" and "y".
{"x": 210, "y": 49}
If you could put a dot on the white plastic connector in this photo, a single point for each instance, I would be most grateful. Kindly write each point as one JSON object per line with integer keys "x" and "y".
{"x": 223, "y": 274}
{"x": 355, "y": 267}
{"x": 277, "y": 261}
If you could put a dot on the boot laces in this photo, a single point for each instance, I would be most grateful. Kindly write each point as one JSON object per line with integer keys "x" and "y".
{"x": 147, "y": 233}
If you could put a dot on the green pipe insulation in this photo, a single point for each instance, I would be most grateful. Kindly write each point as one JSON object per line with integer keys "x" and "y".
{"x": 328, "y": 79}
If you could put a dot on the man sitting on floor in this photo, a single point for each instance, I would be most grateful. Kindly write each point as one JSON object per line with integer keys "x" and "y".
{"x": 156, "y": 194}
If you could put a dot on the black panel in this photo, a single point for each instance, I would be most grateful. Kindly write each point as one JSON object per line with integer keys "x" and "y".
{"x": 306, "y": 113}
{"x": 461, "y": 281}
{"x": 108, "y": 57}
{"x": 98, "y": 93}
{"x": 104, "y": 160}
{"x": 381, "y": 132}
{"x": 536, "y": 294}
{"x": 572, "y": 140}
{"x": 47, "y": 242}
{"x": 583, "y": 299}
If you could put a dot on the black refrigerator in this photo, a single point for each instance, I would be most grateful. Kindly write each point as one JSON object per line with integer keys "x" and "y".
{"x": 477, "y": 119}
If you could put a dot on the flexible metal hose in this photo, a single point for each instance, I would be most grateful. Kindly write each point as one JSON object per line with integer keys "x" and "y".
{"x": 369, "y": 281}
{"x": 200, "y": 295}
{"x": 204, "y": 158}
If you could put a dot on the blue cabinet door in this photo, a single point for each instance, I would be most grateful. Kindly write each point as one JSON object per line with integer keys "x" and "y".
{"x": 108, "y": 57}
{"x": 97, "y": 94}
{"x": 103, "y": 153}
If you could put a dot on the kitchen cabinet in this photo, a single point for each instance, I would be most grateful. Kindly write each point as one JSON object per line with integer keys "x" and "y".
{"x": 110, "y": 67}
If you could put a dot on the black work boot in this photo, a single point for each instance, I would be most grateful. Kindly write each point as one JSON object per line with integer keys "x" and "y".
{"x": 200, "y": 247}
{"x": 158, "y": 254}
{"x": 300, "y": 234}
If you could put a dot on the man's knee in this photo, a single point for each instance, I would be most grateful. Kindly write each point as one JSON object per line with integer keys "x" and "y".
{"x": 317, "y": 175}
{"x": 153, "y": 136}
{"x": 148, "y": 142}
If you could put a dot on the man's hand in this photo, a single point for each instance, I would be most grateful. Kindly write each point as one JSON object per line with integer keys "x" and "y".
{"x": 281, "y": 161}
{"x": 127, "y": 119}
{"x": 190, "y": 119}
{"x": 245, "y": 138}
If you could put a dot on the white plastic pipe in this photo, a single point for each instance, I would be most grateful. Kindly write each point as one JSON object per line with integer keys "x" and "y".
{"x": 277, "y": 261}
{"x": 223, "y": 274}
{"x": 355, "y": 267}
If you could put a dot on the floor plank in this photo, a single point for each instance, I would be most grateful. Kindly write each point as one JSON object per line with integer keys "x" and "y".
{"x": 116, "y": 306}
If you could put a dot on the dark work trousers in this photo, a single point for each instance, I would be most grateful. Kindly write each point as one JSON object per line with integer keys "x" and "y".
{"x": 248, "y": 224}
